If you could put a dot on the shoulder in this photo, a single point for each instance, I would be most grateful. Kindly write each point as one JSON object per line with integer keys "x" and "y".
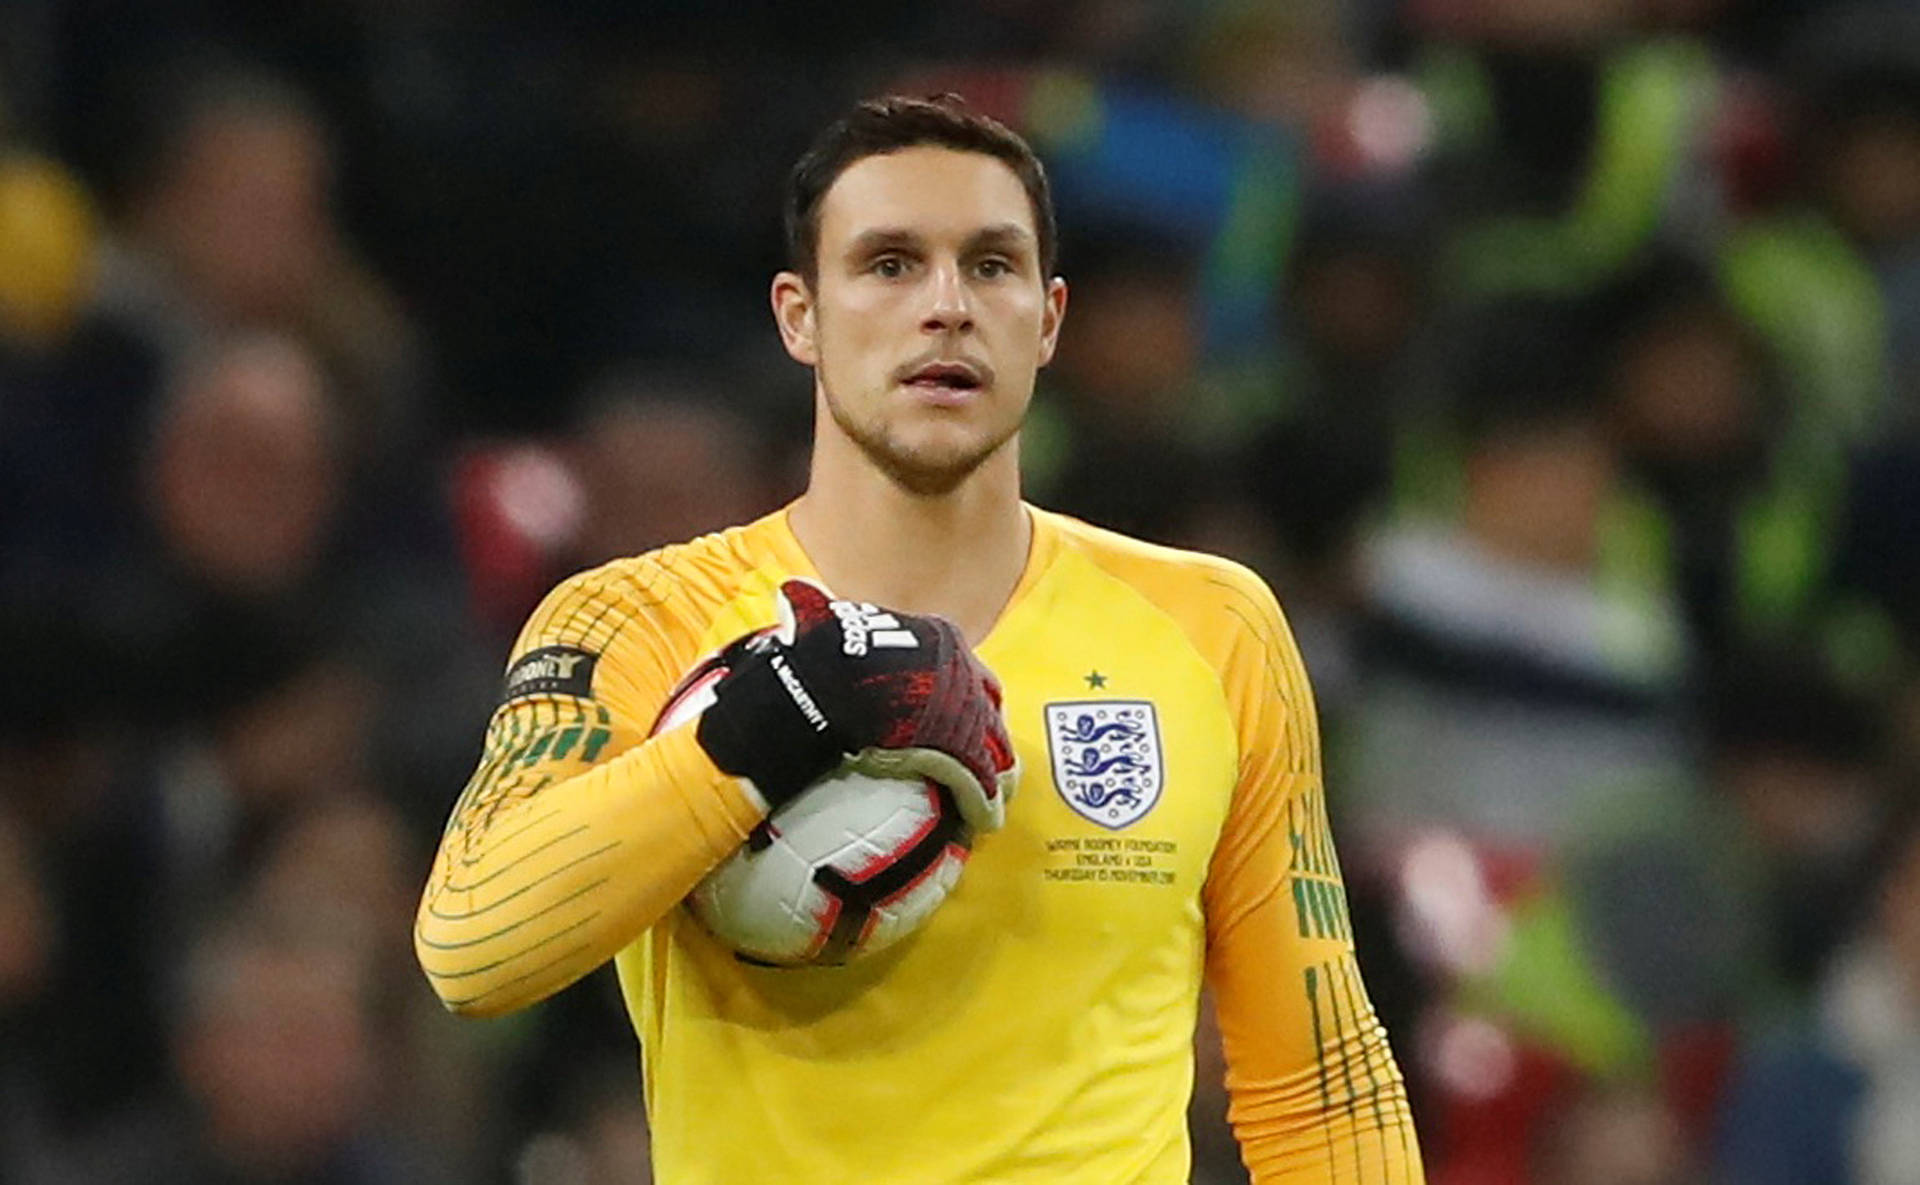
{"x": 627, "y": 630}
{"x": 1208, "y": 594}
{"x": 1232, "y": 621}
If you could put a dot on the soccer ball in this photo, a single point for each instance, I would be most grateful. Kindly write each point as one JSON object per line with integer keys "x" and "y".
{"x": 850, "y": 866}
{"x": 853, "y": 864}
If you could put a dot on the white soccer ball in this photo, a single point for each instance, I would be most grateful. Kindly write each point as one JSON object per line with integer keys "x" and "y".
{"x": 853, "y": 864}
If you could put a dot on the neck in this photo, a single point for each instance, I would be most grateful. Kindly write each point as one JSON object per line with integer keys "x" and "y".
{"x": 959, "y": 554}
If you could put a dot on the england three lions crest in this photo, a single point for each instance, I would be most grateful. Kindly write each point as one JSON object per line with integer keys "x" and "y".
{"x": 1106, "y": 758}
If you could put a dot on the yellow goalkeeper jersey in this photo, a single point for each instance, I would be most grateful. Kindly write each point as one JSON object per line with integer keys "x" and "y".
{"x": 1169, "y": 827}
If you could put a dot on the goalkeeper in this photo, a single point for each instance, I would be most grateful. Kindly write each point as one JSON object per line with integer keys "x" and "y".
{"x": 1169, "y": 827}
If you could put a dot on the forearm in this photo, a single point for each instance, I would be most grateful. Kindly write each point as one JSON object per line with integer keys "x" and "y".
{"x": 1341, "y": 1117}
{"x": 1316, "y": 1095}
{"x": 538, "y": 882}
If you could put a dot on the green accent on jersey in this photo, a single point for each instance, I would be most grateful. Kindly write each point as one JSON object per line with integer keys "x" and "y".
{"x": 596, "y": 740}
{"x": 568, "y": 738}
{"x": 540, "y": 746}
{"x": 1312, "y": 977}
{"x": 1320, "y": 908}
{"x": 1323, "y": 910}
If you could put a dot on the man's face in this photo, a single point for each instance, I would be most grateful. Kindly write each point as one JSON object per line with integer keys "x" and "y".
{"x": 930, "y": 313}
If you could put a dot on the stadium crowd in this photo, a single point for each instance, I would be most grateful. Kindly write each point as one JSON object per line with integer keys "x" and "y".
{"x": 1558, "y": 363}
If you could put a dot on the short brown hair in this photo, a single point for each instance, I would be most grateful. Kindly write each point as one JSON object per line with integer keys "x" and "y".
{"x": 876, "y": 127}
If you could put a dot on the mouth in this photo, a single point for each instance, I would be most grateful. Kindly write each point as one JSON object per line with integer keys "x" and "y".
{"x": 945, "y": 380}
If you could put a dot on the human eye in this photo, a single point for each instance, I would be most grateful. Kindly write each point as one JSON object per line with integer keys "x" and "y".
{"x": 889, "y": 266}
{"x": 993, "y": 267}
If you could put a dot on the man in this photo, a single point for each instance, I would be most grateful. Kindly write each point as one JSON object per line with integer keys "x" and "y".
{"x": 1038, "y": 1029}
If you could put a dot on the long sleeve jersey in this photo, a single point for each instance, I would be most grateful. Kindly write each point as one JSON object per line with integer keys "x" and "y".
{"x": 1169, "y": 829}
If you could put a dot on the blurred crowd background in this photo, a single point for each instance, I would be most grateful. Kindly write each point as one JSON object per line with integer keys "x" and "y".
{"x": 1557, "y": 360}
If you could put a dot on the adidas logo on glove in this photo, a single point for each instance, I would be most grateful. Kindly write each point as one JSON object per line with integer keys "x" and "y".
{"x": 865, "y": 626}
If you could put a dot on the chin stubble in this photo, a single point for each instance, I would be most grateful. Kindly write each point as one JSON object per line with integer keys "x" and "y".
{"x": 913, "y": 472}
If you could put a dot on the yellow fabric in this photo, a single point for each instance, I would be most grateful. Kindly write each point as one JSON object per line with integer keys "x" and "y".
{"x": 1039, "y": 1028}
{"x": 48, "y": 235}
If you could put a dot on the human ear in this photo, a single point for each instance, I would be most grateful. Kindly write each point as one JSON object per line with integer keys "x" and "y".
{"x": 1051, "y": 316}
{"x": 793, "y": 313}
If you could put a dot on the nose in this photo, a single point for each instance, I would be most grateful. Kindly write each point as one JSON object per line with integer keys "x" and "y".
{"x": 951, "y": 308}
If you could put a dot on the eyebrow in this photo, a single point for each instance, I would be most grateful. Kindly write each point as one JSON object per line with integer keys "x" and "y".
{"x": 882, "y": 238}
{"x": 1004, "y": 234}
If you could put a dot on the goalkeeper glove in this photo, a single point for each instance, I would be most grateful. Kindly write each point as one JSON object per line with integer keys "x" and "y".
{"x": 898, "y": 694}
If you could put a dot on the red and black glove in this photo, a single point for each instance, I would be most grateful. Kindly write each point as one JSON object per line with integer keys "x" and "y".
{"x": 897, "y": 694}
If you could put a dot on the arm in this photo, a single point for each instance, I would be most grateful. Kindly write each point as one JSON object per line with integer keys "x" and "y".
{"x": 577, "y": 831}
{"x": 1315, "y": 1094}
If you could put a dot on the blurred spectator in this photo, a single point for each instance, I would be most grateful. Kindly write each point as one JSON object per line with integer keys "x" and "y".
{"x": 274, "y": 1047}
{"x": 224, "y": 593}
{"x": 1564, "y": 145}
{"x": 1357, "y": 294}
{"x": 1609, "y": 969}
{"x": 662, "y": 459}
{"x": 228, "y": 225}
{"x": 246, "y": 472}
{"x": 652, "y": 458}
{"x": 1354, "y": 310}
{"x": 1510, "y": 690}
{"x": 283, "y": 496}
{"x": 1122, "y": 385}
{"x": 1799, "y": 755}
{"x": 230, "y": 204}
{"x": 1513, "y": 754}
{"x": 1838, "y": 283}
{"x": 27, "y": 934}
{"x": 601, "y": 1137}
{"x": 1724, "y": 503}
{"x": 1288, "y": 66}
{"x": 1614, "y": 1137}
{"x": 1833, "y": 277}
{"x": 517, "y": 505}
{"x": 1832, "y": 1097}
{"x": 342, "y": 868}
{"x": 223, "y": 657}
{"x": 1877, "y": 549}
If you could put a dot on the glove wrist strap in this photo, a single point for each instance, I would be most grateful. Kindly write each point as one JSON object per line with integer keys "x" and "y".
{"x": 764, "y": 725}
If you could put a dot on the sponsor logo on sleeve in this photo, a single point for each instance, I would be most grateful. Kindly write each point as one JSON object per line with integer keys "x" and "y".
{"x": 551, "y": 670}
